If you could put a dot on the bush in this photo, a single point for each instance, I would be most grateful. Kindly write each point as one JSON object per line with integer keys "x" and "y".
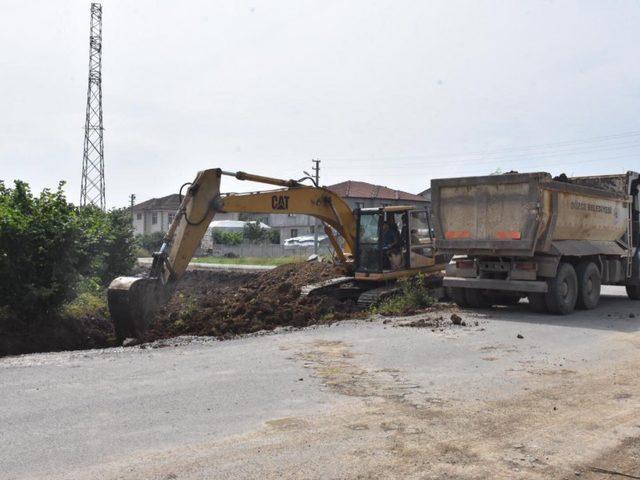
{"x": 227, "y": 238}
{"x": 413, "y": 296}
{"x": 90, "y": 300}
{"x": 40, "y": 249}
{"x": 48, "y": 245}
{"x": 107, "y": 242}
{"x": 274, "y": 236}
{"x": 254, "y": 233}
{"x": 150, "y": 242}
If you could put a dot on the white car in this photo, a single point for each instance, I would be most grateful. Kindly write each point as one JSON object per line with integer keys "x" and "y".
{"x": 304, "y": 241}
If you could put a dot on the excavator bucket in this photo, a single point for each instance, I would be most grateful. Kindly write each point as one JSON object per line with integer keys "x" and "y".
{"x": 132, "y": 302}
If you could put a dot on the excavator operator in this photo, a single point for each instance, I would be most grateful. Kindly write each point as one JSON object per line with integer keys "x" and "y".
{"x": 391, "y": 245}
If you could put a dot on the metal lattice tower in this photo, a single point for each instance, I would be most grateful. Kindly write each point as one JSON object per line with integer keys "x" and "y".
{"x": 92, "y": 186}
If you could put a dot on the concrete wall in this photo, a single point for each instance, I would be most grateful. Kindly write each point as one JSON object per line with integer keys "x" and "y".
{"x": 262, "y": 250}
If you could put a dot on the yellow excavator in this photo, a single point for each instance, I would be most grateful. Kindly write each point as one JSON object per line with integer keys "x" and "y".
{"x": 368, "y": 260}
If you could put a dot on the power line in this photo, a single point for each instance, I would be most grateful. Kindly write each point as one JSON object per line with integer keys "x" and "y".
{"x": 471, "y": 170}
{"x": 521, "y": 157}
{"x": 522, "y": 150}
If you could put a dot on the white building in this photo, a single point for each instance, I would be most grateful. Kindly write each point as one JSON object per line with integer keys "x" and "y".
{"x": 156, "y": 214}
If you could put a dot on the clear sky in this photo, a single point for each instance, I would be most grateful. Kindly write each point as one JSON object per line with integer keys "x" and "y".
{"x": 389, "y": 92}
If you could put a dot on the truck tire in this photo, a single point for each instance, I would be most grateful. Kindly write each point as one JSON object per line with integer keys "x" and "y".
{"x": 589, "y": 280}
{"x": 563, "y": 290}
{"x": 477, "y": 299}
{"x": 458, "y": 296}
{"x": 538, "y": 302}
{"x": 633, "y": 291}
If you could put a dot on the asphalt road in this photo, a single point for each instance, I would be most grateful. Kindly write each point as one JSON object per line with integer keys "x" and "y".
{"x": 357, "y": 399}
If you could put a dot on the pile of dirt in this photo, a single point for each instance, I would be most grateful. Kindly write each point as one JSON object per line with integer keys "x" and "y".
{"x": 246, "y": 303}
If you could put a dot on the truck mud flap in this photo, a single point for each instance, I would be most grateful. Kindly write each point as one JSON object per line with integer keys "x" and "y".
{"x": 491, "y": 284}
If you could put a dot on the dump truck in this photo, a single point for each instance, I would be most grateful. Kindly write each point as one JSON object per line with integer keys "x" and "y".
{"x": 554, "y": 241}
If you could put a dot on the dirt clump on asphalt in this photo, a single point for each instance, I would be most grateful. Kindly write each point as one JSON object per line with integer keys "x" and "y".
{"x": 433, "y": 320}
{"x": 426, "y": 322}
{"x": 230, "y": 303}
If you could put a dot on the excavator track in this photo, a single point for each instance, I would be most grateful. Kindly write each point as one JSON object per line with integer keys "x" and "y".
{"x": 375, "y": 295}
{"x": 341, "y": 288}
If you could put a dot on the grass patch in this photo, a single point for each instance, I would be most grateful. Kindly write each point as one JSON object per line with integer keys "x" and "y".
{"x": 413, "y": 296}
{"x": 87, "y": 305}
{"x": 249, "y": 260}
{"x": 90, "y": 301}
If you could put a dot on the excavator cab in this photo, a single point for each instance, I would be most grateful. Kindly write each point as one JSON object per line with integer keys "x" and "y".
{"x": 393, "y": 242}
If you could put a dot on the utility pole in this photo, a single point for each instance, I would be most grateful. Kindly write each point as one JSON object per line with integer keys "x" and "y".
{"x": 316, "y": 171}
{"x": 132, "y": 200}
{"x": 92, "y": 189}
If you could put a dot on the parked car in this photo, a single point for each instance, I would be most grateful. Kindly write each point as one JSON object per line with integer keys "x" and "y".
{"x": 304, "y": 241}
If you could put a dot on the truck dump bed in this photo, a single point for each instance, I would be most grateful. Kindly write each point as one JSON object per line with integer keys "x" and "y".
{"x": 525, "y": 214}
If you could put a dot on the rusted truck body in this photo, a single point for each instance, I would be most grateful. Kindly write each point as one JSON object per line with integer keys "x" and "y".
{"x": 528, "y": 235}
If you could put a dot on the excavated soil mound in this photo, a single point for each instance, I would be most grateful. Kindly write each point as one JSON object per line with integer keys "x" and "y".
{"x": 236, "y": 303}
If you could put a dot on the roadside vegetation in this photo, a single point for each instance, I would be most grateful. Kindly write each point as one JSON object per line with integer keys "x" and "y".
{"x": 412, "y": 297}
{"x": 252, "y": 233}
{"x": 148, "y": 243}
{"x": 56, "y": 260}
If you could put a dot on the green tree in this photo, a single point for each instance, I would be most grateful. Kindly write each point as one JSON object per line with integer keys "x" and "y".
{"x": 254, "y": 233}
{"x": 274, "y": 236}
{"x": 151, "y": 242}
{"x": 47, "y": 245}
{"x": 40, "y": 254}
{"x": 107, "y": 242}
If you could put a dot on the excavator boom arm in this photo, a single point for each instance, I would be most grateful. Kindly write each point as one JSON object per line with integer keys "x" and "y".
{"x": 203, "y": 201}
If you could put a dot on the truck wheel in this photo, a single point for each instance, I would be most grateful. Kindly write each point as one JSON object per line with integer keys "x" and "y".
{"x": 458, "y": 295}
{"x": 477, "y": 299}
{"x": 633, "y": 291}
{"x": 589, "y": 280}
{"x": 538, "y": 302}
{"x": 563, "y": 290}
